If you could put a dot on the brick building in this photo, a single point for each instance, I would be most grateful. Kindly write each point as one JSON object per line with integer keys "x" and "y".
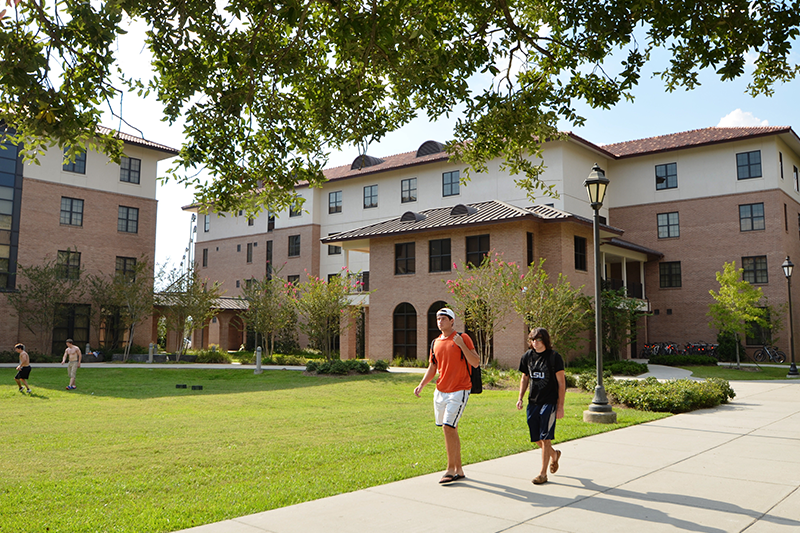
{"x": 90, "y": 216}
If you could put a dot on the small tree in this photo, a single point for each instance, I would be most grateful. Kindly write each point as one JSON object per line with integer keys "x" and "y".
{"x": 736, "y": 304}
{"x": 484, "y": 297}
{"x": 269, "y": 308}
{"x": 40, "y": 291}
{"x": 619, "y": 315}
{"x": 323, "y": 304}
{"x": 565, "y": 312}
{"x": 103, "y": 306}
{"x": 133, "y": 293}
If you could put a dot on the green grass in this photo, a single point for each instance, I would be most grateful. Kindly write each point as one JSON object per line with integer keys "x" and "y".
{"x": 128, "y": 452}
{"x": 746, "y": 373}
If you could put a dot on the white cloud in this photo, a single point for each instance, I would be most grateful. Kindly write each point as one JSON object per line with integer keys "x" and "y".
{"x": 739, "y": 118}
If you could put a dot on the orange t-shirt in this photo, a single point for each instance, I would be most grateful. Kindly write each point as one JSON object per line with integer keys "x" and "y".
{"x": 451, "y": 363}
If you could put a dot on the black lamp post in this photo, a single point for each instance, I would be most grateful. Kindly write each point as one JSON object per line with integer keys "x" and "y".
{"x": 787, "y": 267}
{"x": 599, "y": 410}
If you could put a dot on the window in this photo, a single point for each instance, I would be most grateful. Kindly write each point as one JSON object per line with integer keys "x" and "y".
{"x": 780, "y": 162}
{"x": 69, "y": 264}
{"x": 796, "y": 179}
{"x": 249, "y": 252}
{"x": 748, "y": 165}
{"x": 205, "y": 257}
{"x": 332, "y": 276}
{"x": 126, "y": 266}
{"x": 408, "y": 190}
{"x": 293, "y": 280}
{"x": 335, "y": 202}
{"x": 78, "y": 165}
{"x": 666, "y": 176}
{"x": 206, "y": 223}
{"x": 130, "y": 170}
{"x": 238, "y": 284}
{"x": 7, "y": 208}
{"x": 294, "y": 245}
{"x": 269, "y": 259}
{"x": 669, "y": 274}
{"x": 439, "y": 255}
{"x": 580, "y": 253}
{"x": 404, "y": 258}
{"x": 71, "y": 211}
{"x": 334, "y": 250}
{"x": 370, "y": 196}
{"x": 270, "y": 221}
{"x": 295, "y": 210}
{"x": 250, "y": 221}
{"x": 755, "y": 269}
{"x": 751, "y": 217}
{"x": 756, "y": 334}
{"x": 404, "y": 331}
{"x": 668, "y": 225}
{"x": 529, "y": 246}
{"x": 450, "y": 183}
{"x": 477, "y": 248}
{"x": 71, "y": 322}
{"x": 128, "y": 219}
{"x": 238, "y": 247}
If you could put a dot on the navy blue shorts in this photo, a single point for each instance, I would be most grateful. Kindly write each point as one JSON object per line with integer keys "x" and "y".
{"x": 23, "y": 372}
{"x": 542, "y": 421}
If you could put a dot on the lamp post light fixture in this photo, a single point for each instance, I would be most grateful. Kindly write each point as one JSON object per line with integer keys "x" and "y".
{"x": 787, "y": 267}
{"x": 599, "y": 411}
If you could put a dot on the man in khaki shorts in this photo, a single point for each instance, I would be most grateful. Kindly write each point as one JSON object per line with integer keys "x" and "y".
{"x": 74, "y": 354}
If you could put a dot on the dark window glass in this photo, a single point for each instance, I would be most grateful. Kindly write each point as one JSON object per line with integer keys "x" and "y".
{"x": 755, "y": 269}
{"x": 668, "y": 225}
{"x": 408, "y": 190}
{"x": 206, "y": 223}
{"x": 126, "y": 266}
{"x": 751, "y": 217}
{"x": 370, "y": 196}
{"x": 293, "y": 280}
{"x": 450, "y": 184}
{"x": 128, "y": 219}
{"x": 69, "y": 264}
{"x": 404, "y": 326}
{"x": 249, "y": 252}
{"x": 404, "y": 258}
{"x": 295, "y": 211}
{"x": 756, "y": 334}
{"x": 666, "y": 176}
{"x": 71, "y": 322}
{"x": 529, "y": 244}
{"x": 334, "y": 250}
{"x": 580, "y": 253}
{"x": 71, "y": 211}
{"x": 335, "y": 202}
{"x": 205, "y": 257}
{"x": 270, "y": 221}
{"x": 294, "y": 245}
{"x": 670, "y": 274}
{"x": 269, "y": 259}
{"x": 748, "y": 165}
{"x": 477, "y": 248}
{"x": 439, "y": 253}
{"x": 78, "y": 166}
{"x": 130, "y": 170}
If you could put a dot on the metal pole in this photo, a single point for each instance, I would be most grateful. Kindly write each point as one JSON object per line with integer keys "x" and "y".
{"x": 150, "y": 352}
{"x": 600, "y": 401}
{"x": 792, "y": 369}
{"x": 258, "y": 361}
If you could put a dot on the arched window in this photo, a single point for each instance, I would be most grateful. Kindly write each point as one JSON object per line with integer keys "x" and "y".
{"x": 433, "y": 329}
{"x": 404, "y": 322}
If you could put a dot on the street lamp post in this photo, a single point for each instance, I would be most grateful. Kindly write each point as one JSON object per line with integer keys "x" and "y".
{"x": 599, "y": 411}
{"x": 788, "y": 266}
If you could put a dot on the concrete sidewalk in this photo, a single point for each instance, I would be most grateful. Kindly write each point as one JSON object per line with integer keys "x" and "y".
{"x": 728, "y": 469}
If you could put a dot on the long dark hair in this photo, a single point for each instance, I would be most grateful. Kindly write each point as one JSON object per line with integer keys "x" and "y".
{"x": 540, "y": 333}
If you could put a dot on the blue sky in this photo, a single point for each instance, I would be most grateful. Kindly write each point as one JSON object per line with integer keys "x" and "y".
{"x": 653, "y": 112}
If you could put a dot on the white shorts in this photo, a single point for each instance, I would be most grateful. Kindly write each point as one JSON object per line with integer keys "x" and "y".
{"x": 449, "y": 406}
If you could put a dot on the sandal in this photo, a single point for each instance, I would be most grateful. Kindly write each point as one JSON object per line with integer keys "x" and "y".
{"x": 459, "y": 476}
{"x": 448, "y": 478}
{"x": 540, "y": 480}
{"x": 554, "y": 462}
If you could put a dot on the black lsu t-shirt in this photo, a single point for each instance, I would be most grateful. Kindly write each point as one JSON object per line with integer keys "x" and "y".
{"x": 543, "y": 384}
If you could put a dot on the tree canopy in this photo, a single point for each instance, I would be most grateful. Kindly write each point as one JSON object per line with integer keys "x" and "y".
{"x": 268, "y": 88}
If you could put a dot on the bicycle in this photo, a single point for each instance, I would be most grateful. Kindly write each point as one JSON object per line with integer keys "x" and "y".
{"x": 767, "y": 353}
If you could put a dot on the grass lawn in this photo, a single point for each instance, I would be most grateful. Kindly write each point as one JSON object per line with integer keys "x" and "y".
{"x": 127, "y": 451}
{"x": 746, "y": 373}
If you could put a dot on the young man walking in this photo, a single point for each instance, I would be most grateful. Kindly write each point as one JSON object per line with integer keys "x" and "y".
{"x": 74, "y": 354}
{"x": 24, "y": 368}
{"x": 451, "y": 354}
{"x": 543, "y": 372}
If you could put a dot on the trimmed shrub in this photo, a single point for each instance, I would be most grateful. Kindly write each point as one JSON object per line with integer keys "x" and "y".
{"x": 209, "y": 356}
{"x": 338, "y": 367}
{"x": 682, "y": 360}
{"x": 410, "y": 363}
{"x": 289, "y": 360}
{"x": 381, "y": 365}
{"x": 625, "y": 368}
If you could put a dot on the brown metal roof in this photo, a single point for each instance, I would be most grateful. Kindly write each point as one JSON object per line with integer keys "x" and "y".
{"x": 139, "y": 141}
{"x": 481, "y": 213}
{"x": 688, "y": 139}
{"x": 654, "y": 254}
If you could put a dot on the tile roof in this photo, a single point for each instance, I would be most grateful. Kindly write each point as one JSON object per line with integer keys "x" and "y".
{"x": 687, "y": 139}
{"x": 139, "y": 141}
{"x": 481, "y": 213}
{"x": 391, "y": 162}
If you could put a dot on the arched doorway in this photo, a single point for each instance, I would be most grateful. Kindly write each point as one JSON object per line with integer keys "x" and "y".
{"x": 433, "y": 329}
{"x": 404, "y": 326}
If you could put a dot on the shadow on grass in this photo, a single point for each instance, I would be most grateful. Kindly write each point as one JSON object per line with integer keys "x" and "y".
{"x": 162, "y": 383}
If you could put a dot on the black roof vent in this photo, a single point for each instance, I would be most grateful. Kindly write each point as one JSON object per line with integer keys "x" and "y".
{"x": 462, "y": 209}
{"x": 364, "y": 161}
{"x": 411, "y": 216}
{"x": 430, "y": 147}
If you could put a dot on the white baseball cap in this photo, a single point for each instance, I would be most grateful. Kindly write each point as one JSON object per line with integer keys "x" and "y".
{"x": 447, "y": 312}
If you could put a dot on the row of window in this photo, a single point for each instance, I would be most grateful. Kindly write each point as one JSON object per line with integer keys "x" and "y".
{"x": 408, "y": 193}
{"x": 130, "y": 168}
{"x": 439, "y": 257}
{"x": 72, "y": 215}
{"x": 69, "y": 265}
{"x": 754, "y": 271}
{"x": 748, "y": 165}
{"x": 751, "y": 218}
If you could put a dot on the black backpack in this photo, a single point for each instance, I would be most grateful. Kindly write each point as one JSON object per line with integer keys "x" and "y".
{"x": 474, "y": 372}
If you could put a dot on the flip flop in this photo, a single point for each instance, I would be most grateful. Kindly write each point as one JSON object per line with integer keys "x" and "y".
{"x": 554, "y": 463}
{"x": 448, "y": 478}
{"x": 459, "y": 476}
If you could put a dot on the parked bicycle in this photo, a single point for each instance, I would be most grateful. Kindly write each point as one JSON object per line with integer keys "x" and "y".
{"x": 773, "y": 354}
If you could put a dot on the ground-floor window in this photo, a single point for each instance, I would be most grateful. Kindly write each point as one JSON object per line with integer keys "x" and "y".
{"x": 72, "y": 322}
{"x": 404, "y": 326}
